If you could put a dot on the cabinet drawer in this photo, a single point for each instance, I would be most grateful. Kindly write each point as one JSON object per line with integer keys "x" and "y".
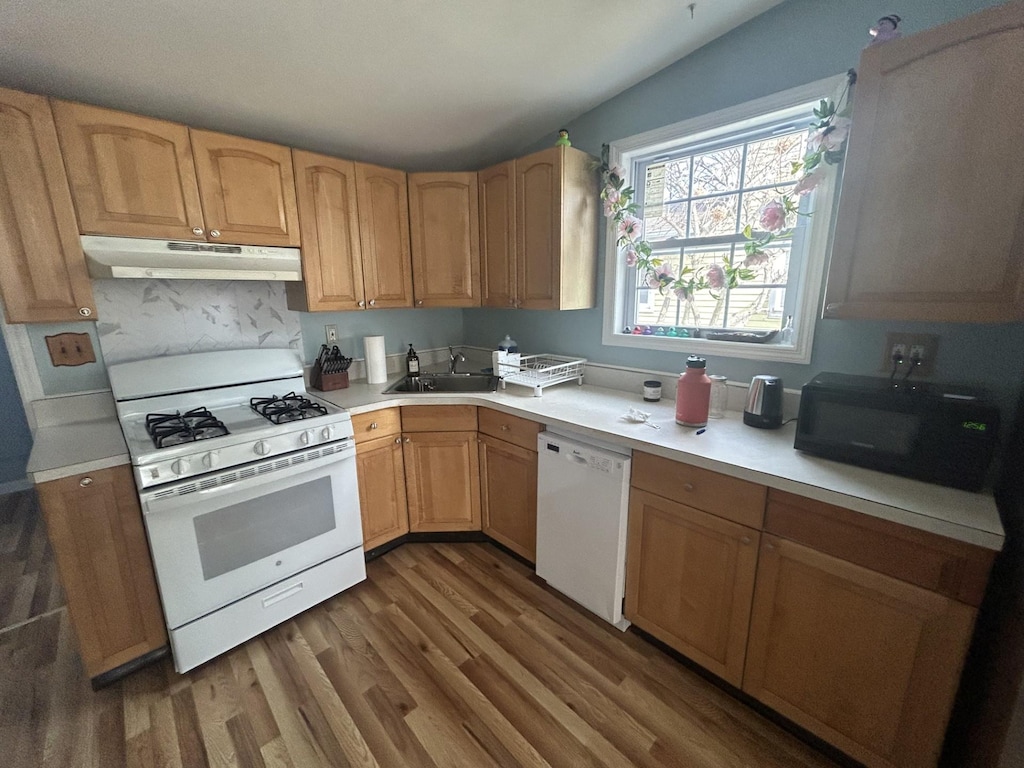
{"x": 738, "y": 500}
{"x": 376, "y": 424}
{"x": 511, "y": 429}
{"x": 439, "y": 418}
{"x": 951, "y": 568}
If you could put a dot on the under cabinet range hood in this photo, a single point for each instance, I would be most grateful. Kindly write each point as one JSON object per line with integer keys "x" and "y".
{"x": 187, "y": 260}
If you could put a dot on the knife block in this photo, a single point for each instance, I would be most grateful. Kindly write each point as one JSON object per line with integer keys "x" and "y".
{"x": 325, "y": 382}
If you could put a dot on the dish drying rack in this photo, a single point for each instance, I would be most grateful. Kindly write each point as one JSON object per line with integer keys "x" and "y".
{"x": 537, "y": 371}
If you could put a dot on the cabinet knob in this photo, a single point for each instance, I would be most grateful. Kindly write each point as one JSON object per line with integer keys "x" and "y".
{"x": 398, "y": 440}
{"x": 505, "y": 427}
{"x": 362, "y": 303}
{"x": 373, "y": 302}
{"x": 85, "y": 311}
{"x": 408, "y": 440}
{"x": 745, "y": 540}
{"x": 85, "y": 482}
{"x": 511, "y": 302}
{"x": 214, "y": 233}
{"x": 419, "y": 303}
{"x": 197, "y": 230}
{"x": 769, "y": 546}
{"x": 687, "y": 486}
{"x": 832, "y": 307}
{"x": 373, "y": 425}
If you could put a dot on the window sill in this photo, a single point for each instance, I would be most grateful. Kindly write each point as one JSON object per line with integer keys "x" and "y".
{"x": 784, "y": 353}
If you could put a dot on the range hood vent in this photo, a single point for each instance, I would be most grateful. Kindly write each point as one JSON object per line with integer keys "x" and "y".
{"x": 109, "y": 257}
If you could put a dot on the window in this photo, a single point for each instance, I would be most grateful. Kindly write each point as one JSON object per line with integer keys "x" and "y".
{"x": 698, "y": 185}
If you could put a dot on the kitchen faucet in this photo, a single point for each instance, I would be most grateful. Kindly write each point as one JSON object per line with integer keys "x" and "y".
{"x": 454, "y": 358}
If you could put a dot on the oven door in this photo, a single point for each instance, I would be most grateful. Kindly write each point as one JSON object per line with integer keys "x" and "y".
{"x": 218, "y": 538}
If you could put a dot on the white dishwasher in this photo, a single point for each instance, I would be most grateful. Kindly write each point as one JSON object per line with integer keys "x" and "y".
{"x": 582, "y": 503}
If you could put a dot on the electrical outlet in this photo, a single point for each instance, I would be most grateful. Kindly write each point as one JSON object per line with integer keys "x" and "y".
{"x": 332, "y": 333}
{"x": 920, "y": 346}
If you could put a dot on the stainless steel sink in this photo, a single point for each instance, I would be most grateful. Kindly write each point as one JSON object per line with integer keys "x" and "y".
{"x": 427, "y": 383}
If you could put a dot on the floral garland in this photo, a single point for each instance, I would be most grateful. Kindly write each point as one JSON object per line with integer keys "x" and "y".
{"x": 825, "y": 147}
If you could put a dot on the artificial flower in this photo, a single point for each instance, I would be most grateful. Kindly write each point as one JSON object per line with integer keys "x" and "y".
{"x": 630, "y": 227}
{"x": 810, "y": 181}
{"x": 831, "y": 137}
{"x": 755, "y": 258}
{"x": 631, "y": 256}
{"x": 716, "y": 277}
{"x": 773, "y": 216}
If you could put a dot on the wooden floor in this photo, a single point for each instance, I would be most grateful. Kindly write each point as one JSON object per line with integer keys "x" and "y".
{"x": 447, "y": 655}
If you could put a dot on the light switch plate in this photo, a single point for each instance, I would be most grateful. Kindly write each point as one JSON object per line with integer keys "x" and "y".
{"x": 70, "y": 349}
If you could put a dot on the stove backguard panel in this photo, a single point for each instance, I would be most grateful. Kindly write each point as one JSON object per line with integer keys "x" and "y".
{"x": 151, "y": 318}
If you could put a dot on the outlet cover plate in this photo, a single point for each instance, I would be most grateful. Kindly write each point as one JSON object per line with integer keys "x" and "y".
{"x": 930, "y": 343}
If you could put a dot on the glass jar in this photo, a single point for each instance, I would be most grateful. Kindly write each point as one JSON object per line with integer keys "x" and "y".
{"x": 719, "y": 396}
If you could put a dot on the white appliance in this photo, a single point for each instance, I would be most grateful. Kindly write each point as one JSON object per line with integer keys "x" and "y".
{"x": 136, "y": 257}
{"x": 582, "y": 505}
{"x": 248, "y": 491}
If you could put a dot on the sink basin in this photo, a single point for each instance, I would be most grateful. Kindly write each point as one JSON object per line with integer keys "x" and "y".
{"x": 427, "y": 383}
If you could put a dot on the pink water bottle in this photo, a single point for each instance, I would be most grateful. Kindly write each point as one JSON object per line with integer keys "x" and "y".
{"x": 693, "y": 393}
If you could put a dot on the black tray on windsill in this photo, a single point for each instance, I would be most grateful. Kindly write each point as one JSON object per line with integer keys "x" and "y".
{"x": 751, "y": 337}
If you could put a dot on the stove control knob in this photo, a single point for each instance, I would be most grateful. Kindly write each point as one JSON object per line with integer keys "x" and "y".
{"x": 327, "y": 433}
{"x": 262, "y": 448}
{"x": 211, "y": 460}
{"x": 306, "y": 437}
{"x": 180, "y": 467}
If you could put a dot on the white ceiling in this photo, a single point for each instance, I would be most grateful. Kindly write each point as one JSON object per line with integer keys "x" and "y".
{"x": 416, "y": 84}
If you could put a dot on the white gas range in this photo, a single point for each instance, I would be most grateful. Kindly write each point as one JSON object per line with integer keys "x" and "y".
{"x": 248, "y": 491}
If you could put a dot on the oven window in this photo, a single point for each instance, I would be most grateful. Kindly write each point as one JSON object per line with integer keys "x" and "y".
{"x": 232, "y": 537}
{"x": 882, "y": 431}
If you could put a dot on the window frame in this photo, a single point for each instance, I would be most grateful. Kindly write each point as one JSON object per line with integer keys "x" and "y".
{"x": 808, "y": 285}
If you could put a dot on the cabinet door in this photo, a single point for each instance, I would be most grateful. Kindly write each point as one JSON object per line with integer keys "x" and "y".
{"x": 556, "y": 229}
{"x": 931, "y": 217}
{"x": 690, "y": 580}
{"x": 247, "y": 188}
{"x": 867, "y": 662}
{"x": 442, "y": 479}
{"x": 445, "y": 229}
{"x": 130, "y": 175}
{"x": 383, "y": 202}
{"x": 95, "y": 526}
{"x": 382, "y": 504}
{"x": 498, "y": 235}
{"x": 332, "y": 270}
{"x": 508, "y": 489}
{"x": 42, "y": 268}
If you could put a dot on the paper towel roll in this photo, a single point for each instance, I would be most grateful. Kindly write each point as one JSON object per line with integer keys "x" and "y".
{"x": 376, "y": 360}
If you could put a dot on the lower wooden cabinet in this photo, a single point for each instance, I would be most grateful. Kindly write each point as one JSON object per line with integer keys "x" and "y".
{"x": 442, "y": 479}
{"x": 690, "y": 579}
{"x": 868, "y": 662}
{"x": 508, "y": 489}
{"x": 381, "y": 471}
{"x": 95, "y": 527}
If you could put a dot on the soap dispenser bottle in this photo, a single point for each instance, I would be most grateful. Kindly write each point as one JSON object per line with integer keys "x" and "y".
{"x": 412, "y": 362}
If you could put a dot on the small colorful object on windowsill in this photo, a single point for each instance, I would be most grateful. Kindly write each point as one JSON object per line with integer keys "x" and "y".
{"x": 563, "y": 139}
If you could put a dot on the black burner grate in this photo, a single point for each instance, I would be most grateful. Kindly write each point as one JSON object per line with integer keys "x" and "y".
{"x": 167, "y": 429}
{"x": 290, "y": 407}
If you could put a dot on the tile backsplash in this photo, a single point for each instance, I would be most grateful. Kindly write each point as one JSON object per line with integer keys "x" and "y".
{"x": 149, "y": 318}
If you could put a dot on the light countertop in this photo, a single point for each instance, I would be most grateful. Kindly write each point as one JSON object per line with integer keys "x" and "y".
{"x": 727, "y": 446}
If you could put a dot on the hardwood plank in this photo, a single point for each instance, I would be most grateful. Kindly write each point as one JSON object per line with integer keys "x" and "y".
{"x": 448, "y": 655}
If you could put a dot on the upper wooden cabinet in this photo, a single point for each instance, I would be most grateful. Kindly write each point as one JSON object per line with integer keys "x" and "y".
{"x": 931, "y": 216}
{"x": 498, "y": 262}
{"x": 247, "y": 188}
{"x": 95, "y": 526}
{"x": 556, "y": 229}
{"x": 130, "y": 175}
{"x": 332, "y": 265}
{"x": 383, "y": 202}
{"x": 42, "y": 269}
{"x": 444, "y": 226}
{"x": 141, "y": 177}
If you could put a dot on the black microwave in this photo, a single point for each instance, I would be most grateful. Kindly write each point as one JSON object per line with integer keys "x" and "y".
{"x": 933, "y": 432}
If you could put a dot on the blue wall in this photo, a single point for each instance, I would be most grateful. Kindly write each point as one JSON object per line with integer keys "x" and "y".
{"x": 423, "y": 328}
{"x": 797, "y": 42}
{"x": 16, "y": 442}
